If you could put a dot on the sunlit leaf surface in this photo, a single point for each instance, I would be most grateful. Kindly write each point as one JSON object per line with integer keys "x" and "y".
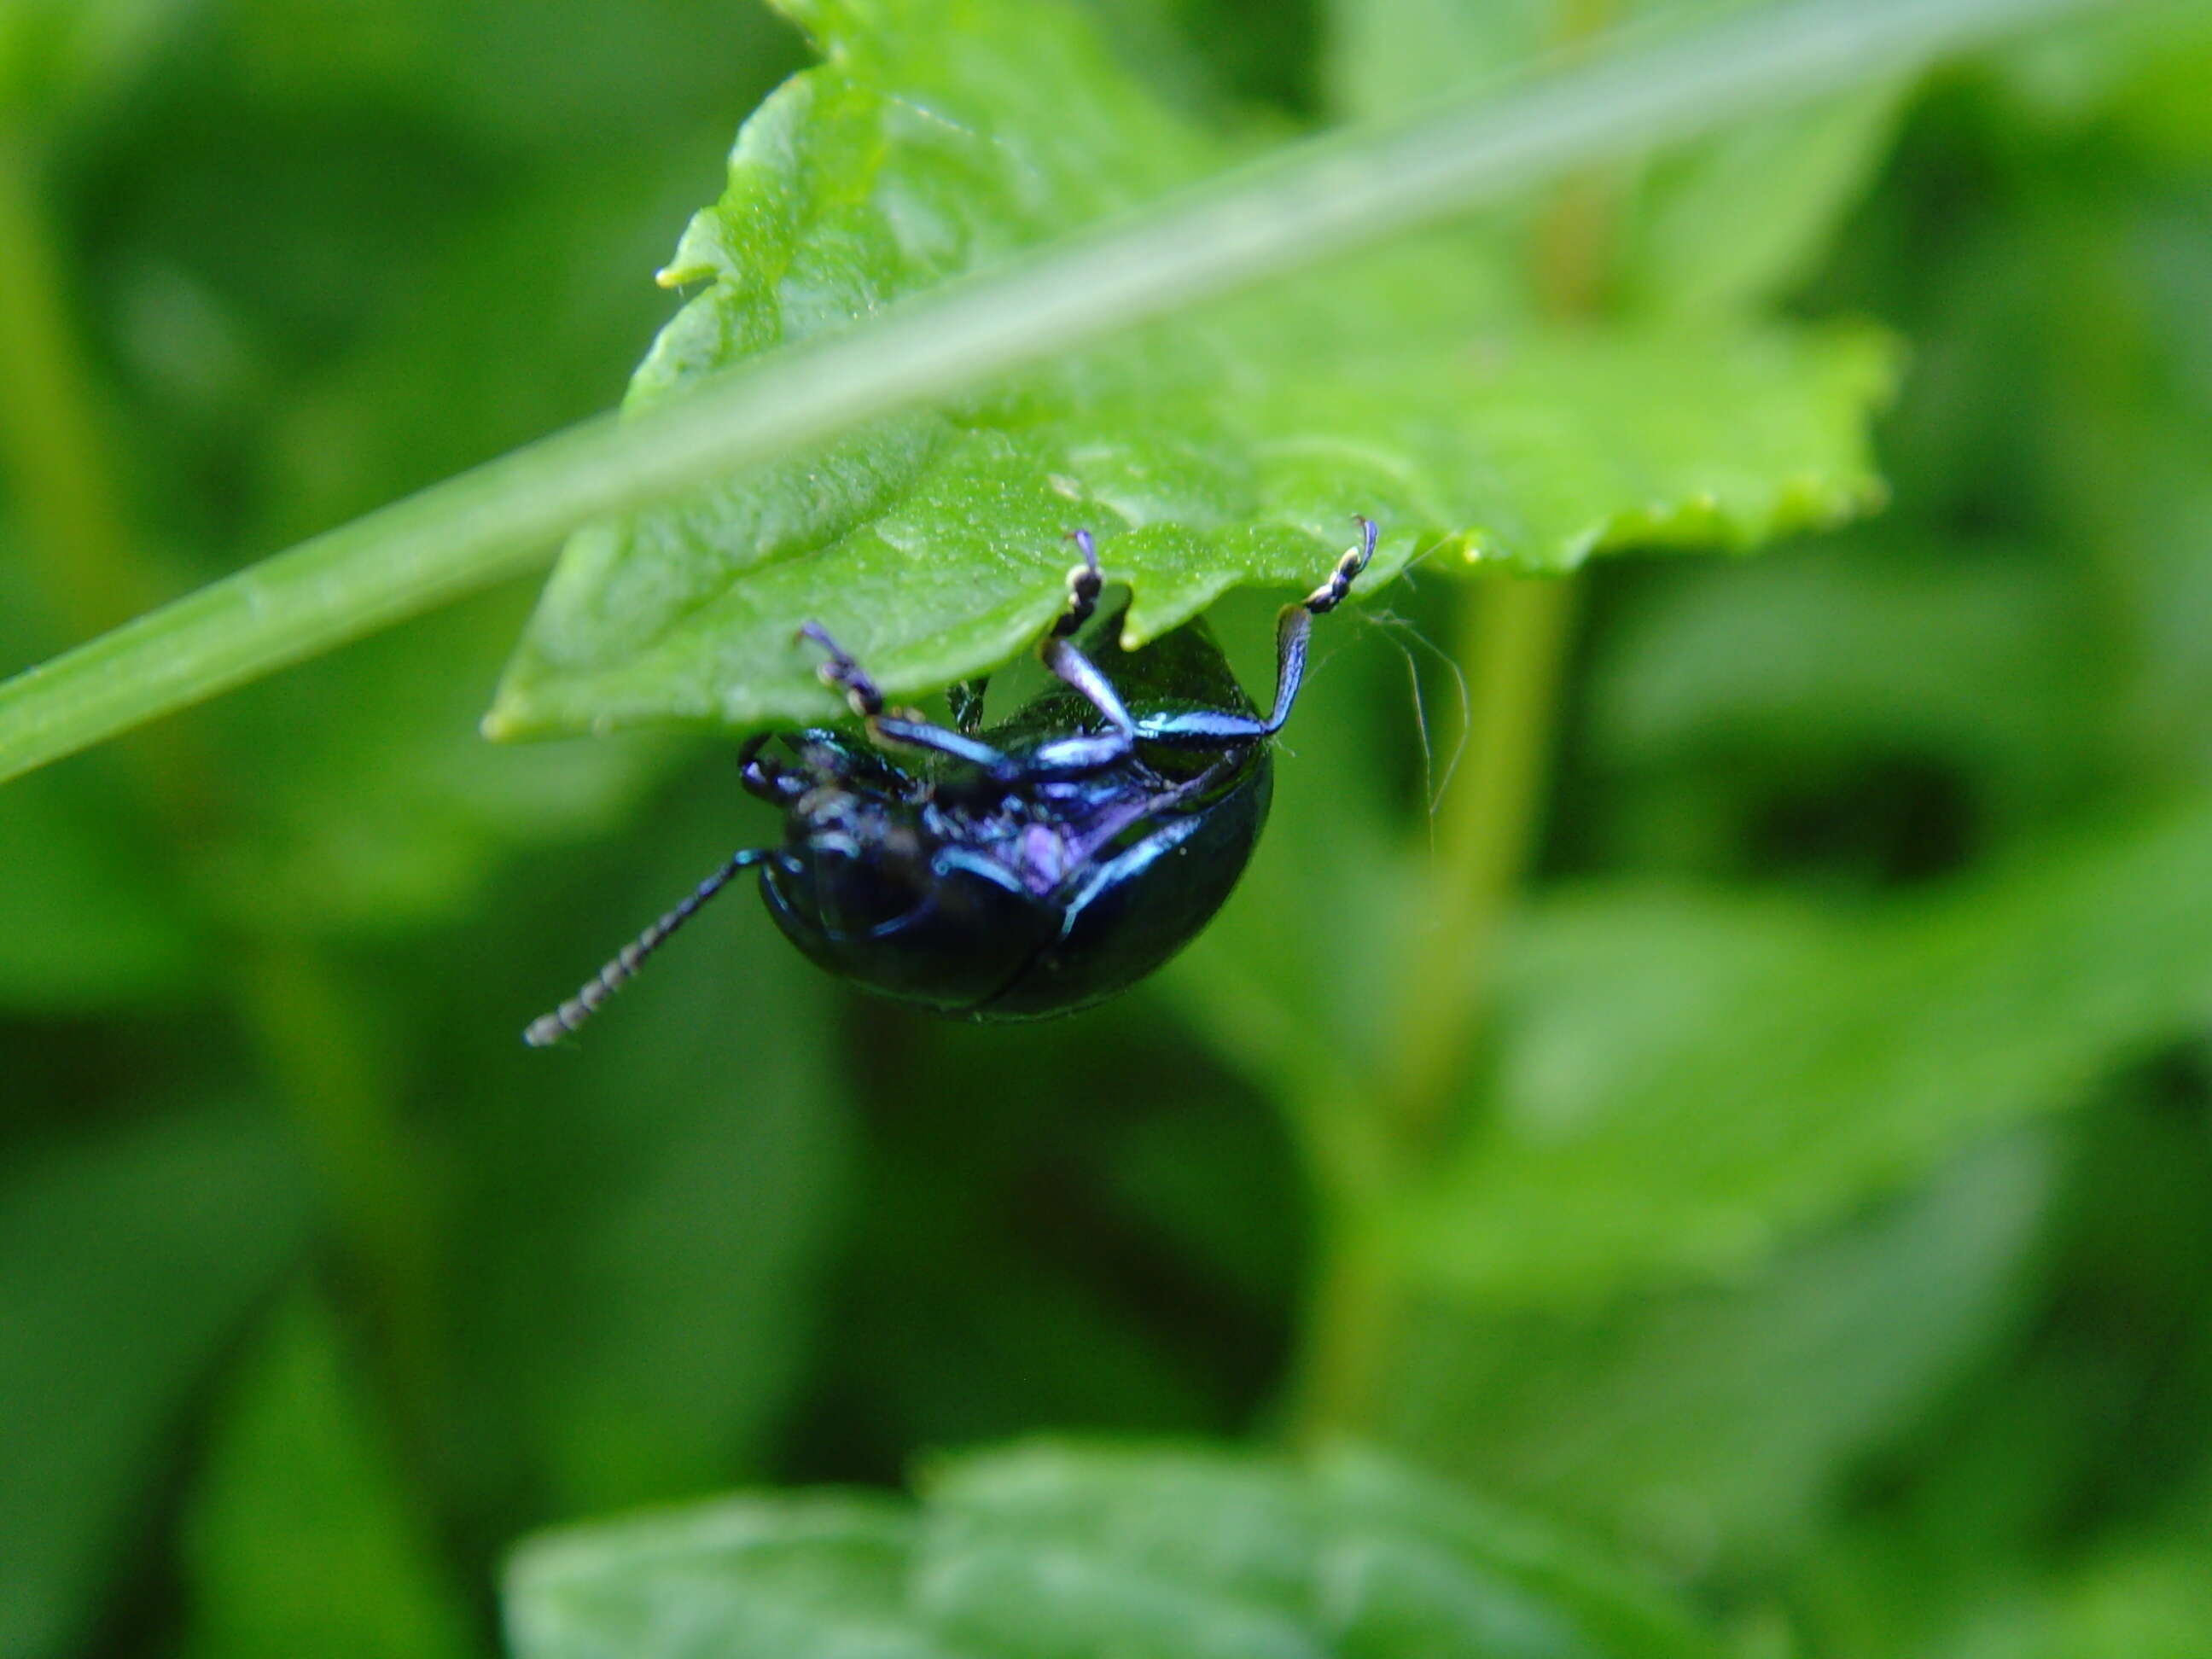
{"x": 1231, "y": 446}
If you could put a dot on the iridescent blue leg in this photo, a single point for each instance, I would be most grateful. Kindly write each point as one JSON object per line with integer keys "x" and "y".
{"x": 1093, "y": 750}
{"x": 840, "y": 673}
{"x": 1293, "y": 630}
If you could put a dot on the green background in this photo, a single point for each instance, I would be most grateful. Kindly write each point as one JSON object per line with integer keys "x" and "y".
{"x": 1791, "y": 1203}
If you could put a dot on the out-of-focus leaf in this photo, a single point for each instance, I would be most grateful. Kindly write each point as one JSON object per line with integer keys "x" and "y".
{"x": 86, "y": 917}
{"x": 374, "y": 805}
{"x": 555, "y": 79}
{"x": 1228, "y": 447}
{"x": 58, "y": 56}
{"x": 126, "y": 1260}
{"x": 980, "y": 1337}
{"x": 1983, "y": 660}
{"x": 1217, "y": 56}
{"x": 382, "y": 808}
{"x": 465, "y": 365}
{"x": 85, "y": 922}
{"x": 1047, "y": 1292}
{"x": 1060, "y": 1553}
{"x": 650, "y": 1203}
{"x": 1710, "y": 229}
{"x": 379, "y": 806}
{"x": 1720, "y": 1422}
{"x": 1692, "y": 1080}
{"x": 1211, "y": 1183}
{"x": 2079, "y": 1438}
{"x": 2154, "y": 1604}
{"x": 2151, "y": 1598}
{"x": 2137, "y": 70}
{"x": 300, "y": 1536}
{"x": 1386, "y": 54}
{"x": 2145, "y": 1595}
{"x": 1735, "y": 219}
{"x": 811, "y": 1577}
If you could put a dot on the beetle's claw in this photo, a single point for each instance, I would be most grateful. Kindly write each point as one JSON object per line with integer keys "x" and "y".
{"x": 1330, "y": 593}
{"x": 842, "y": 673}
{"x": 1086, "y": 582}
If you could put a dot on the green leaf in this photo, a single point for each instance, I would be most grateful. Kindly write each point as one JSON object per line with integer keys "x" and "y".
{"x": 126, "y": 1261}
{"x": 300, "y": 1537}
{"x": 1295, "y": 210}
{"x": 1712, "y": 227}
{"x": 561, "y": 82}
{"x": 1692, "y": 1079}
{"x": 2133, "y": 72}
{"x": 1984, "y": 660}
{"x": 801, "y": 1577}
{"x": 1744, "y": 214}
{"x": 2148, "y": 1599}
{"x": 58, "y": 56}
{"x": 1229, "y": 446}
{"x": 1071, "y": 1552}
{"x": 1723, "y": 1421}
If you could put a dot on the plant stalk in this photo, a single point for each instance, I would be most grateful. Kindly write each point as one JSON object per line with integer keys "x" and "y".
{"x": 1515, "y": 632}
{"x": 1513, "y": 636}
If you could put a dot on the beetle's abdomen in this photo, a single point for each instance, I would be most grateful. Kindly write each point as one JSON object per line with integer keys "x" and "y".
{"x": 950, "y": 941}
{"x": 1135, "y": 910}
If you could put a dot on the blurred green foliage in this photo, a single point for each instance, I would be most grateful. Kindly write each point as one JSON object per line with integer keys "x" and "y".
{"x": 1805, "y": 1247}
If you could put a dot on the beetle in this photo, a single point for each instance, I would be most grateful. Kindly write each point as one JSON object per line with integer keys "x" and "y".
{"x": 1025, "y": 870}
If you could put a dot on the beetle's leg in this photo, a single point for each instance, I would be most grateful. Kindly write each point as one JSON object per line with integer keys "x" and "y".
{"x": 900, "y": 731}
{"x": 1293, "y": 630}
{"x": 1330, "y": 594}
{"x": 766, "y": 779}
{"x": 1296, "y": 625}
{"x": 1089, "y": 753}
{"x": 549, "y": 1029}
{"x": 1086, "y": 582}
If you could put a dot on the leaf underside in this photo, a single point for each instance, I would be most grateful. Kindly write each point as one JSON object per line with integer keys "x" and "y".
{"x": 1228, "y": 445}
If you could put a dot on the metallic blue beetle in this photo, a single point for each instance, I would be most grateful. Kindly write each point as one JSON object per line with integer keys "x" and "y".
{"x": 1026, "y": 870}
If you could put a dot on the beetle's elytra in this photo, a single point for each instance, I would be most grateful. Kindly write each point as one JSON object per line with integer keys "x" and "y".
{"x": 1028, "y": 869}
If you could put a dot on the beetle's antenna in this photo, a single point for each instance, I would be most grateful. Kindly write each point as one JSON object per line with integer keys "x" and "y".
{"x": 549, "y": 1029}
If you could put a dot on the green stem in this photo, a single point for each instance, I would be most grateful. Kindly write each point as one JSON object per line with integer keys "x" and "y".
{"x": 1293, "y": 209}
{"x": 1350, "y": 1331}
{"x": 1512, "y": 634}
{"x": 1515, "y": 632}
